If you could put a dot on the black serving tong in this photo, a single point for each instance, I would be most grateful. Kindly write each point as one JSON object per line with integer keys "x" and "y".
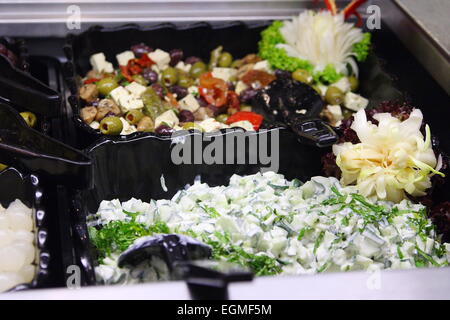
{"x": 22, "y": 146}
{"x": 186, "y": 259}
{"x": 298, "y": 105}
{"x": 20, "y": 88}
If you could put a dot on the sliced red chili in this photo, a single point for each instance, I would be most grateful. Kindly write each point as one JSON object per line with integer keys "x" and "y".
{"x": 144, "y": 61}
{"x": 213, "y": 90}
{"x": 331, "y": 6}
{"x": 254, "y": 118}
{"x": 351, "y": 8}
{"x": 125, "y": 73}
{"x": 91, "y": 80}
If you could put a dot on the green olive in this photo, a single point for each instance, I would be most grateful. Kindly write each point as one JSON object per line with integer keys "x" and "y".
{"x": 111, "y": 126}
{"x": 134, "y": 116}
{"x": 354, "y": 83}
{"x": 246, "y": 107}
{"x": 346, "y": 113}
{"x": 169, "y": 76}
{"x": 3, "y": 166}
{"x": 192, "y": 125}
{"x": 185, "y": 81}
{"x": 197, "y": 69}
{"x": 301, "y": 75}
{"x": 236, "y": 64}
{"x": 317, "y": 89}
{"x": 140, "y": 79}
{"x": 106, "y": 85}
{"x": 30, "y": 118}
{"x": 146, "y": 124}
{"x": 334, "y": 96}
{"x": 222, "y": 117}
{"x": 225, "y": 60}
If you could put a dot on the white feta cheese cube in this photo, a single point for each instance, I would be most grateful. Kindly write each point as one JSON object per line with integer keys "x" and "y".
{"x": 131, "y": 104}
{"x": 210, "y": 125}
{"x": 355, "y": 102}
{"x": 323, "y": 89}
{"x": 127, "y": 128}
{"x": 99, "y": 63}
{"x": 343, "y": 84}
{"x": 169, "y": 117}
{"x": 119, "y": 95}
{"x": 224, "y": 73}
{"x": 193, "y": 90}
{"x": 183, "y": 66}
{"x": 125, "y": 100}
{"x": 240, "y": 86}
{"x": 245, "y": 124}
{"x": 95, "y": 125}
{"x": 136, "y": 89}
{"x": 262, "y": 65}
{"x": 189, "y": 103}
{"x": 124, "y": 57}
{"x": 160, "y": 57}
{"x": 335, "y": 112}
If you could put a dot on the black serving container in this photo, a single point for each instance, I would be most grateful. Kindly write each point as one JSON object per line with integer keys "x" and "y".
{"x": 132, "y": 166}
{"x": 26, "y": 187}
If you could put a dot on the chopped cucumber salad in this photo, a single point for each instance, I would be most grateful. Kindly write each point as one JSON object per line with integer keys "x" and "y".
{"x": 272, "y": 226}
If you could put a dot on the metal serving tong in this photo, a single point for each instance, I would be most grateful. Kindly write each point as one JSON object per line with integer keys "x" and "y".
{"x": 186, "y": 259}
{"x": 22, "y": 146}
{"x": 20, "y": 88}
{"x": 298, "y": 105}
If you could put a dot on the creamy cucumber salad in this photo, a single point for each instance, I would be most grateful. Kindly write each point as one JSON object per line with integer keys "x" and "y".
{"x": 272, "y": 226}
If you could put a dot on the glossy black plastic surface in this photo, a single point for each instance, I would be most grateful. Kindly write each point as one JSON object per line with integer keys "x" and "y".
{"x": 298, "y": 105}
{"x": 20, "y": 88}
{"x": 132, "y": 166}
{"x": 15, "y": 185}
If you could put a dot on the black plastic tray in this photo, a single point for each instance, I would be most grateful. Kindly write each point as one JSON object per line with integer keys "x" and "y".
{"x": 27, "y": 188}
{"x": 131, "y": 166}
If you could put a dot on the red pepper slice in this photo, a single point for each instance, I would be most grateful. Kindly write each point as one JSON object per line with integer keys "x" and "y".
{"x": 254, "y": 118}
{"x": 144, "y": 61}
{"x": 233, "y": 100}
{"x": 91, "y": 80}
{"x": 351, "y": 8}
{"x": 125, "y": 73}
{"x": 213, "y": 90}
{"x": 134, "y": 67}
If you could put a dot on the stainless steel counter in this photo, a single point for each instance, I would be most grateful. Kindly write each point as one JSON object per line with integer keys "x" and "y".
{"x": 389, "y": 285}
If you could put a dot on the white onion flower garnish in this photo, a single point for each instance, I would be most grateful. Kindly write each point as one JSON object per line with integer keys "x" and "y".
{"x": 392, "y": 160}
{"x": 322, "y": 39}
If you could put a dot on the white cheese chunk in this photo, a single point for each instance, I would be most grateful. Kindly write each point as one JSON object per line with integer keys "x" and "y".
{"x": 240, "y": 86}
{"x": 125, "y": 100}
{"x": 183, "y": 66}
{"x": 336, "y": 113}
{"x": 135, "y": 89}
{"x": 343, "y": 84}
{"x": 127, "y": 128}
{"x": 160, "y": 57}
{"x": 355, "y": 102}
{"x": 95, "y": 125}
{"x": 210, "y": 125}
{"x": 169, "y": 118}
{"x": 193, "y": 90}
{"x": 245, "y": 124}
{"x": 224, "y": 73}
{"x": 124, "y": 57}
{"x": 262, "y": 65}
{"x": 189, "y": 103}
{"x": 99, "y": 63}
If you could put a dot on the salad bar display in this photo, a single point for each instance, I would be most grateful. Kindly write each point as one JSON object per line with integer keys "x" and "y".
{"x": 360, "y": 179}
